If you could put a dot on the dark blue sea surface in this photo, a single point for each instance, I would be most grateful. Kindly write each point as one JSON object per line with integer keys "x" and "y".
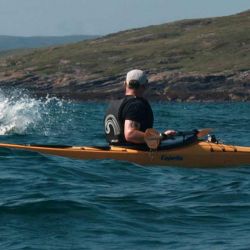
{"x": 49, "y": 202}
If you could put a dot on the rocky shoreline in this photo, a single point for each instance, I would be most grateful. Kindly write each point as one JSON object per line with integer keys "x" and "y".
{"x": 164, "y": 86}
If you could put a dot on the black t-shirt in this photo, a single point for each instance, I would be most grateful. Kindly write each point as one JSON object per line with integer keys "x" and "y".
{"x": 138, "y": 109}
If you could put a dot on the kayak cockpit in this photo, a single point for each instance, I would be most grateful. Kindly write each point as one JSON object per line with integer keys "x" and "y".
{"x": 167, "y": 144}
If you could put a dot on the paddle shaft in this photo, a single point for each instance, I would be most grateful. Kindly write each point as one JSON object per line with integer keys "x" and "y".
{"x": 198, "y": 133}
{"x": 153, "y": 138}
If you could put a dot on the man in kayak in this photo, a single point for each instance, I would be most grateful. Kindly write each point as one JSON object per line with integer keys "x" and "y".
{"x": 126, "y": 120}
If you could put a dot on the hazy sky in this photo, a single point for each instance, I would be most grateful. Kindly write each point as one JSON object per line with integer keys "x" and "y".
{"x": 97, "y": 17}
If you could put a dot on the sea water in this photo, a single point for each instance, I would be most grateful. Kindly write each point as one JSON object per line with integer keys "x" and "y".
{"x": 49, "y": 202}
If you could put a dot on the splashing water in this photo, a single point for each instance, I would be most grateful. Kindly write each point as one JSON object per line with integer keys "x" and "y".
{"x": 20, "y": 113}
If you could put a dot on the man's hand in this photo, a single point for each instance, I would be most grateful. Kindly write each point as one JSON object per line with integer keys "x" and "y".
{"x": 170, "y": 132}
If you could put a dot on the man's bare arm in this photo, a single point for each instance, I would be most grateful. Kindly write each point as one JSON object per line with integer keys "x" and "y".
{"x": 132, "y": 132}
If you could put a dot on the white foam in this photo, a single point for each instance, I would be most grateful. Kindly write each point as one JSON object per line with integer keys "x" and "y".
{"x": 19, "y": 113}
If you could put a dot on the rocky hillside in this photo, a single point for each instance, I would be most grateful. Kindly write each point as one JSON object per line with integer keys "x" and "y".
{"x": 189, "y": 60}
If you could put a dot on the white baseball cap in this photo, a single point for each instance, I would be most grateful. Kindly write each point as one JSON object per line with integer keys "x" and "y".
{"x": 138, "y": 76}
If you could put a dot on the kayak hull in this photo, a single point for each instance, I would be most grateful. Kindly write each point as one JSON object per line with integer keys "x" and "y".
{"x": 198, "y": 154}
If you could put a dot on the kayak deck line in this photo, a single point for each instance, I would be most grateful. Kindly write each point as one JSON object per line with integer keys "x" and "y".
{"x": 66, "y": 146}
{"x": 222, "y": 147}
{"x": 196, "y": 154}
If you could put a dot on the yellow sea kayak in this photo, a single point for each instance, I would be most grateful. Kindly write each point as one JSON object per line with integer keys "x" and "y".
{"x": 195, "y": 154}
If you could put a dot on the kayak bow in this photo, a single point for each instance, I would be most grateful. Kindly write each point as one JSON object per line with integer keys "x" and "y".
{"x": 195, "y": 154}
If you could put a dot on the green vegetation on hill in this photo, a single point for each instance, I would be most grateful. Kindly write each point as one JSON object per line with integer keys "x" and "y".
{"x": 208, "y": 45}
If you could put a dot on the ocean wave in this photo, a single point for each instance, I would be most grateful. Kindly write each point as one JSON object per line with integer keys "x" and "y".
{"x": 45, "y": 206}
{"x": 22, "y": 114}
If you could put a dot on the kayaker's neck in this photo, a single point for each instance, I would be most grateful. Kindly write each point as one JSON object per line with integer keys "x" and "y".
{"x": 135, "y": 92}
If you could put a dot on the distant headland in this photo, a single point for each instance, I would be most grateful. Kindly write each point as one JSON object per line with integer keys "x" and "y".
{"x": 189, "y": 60}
